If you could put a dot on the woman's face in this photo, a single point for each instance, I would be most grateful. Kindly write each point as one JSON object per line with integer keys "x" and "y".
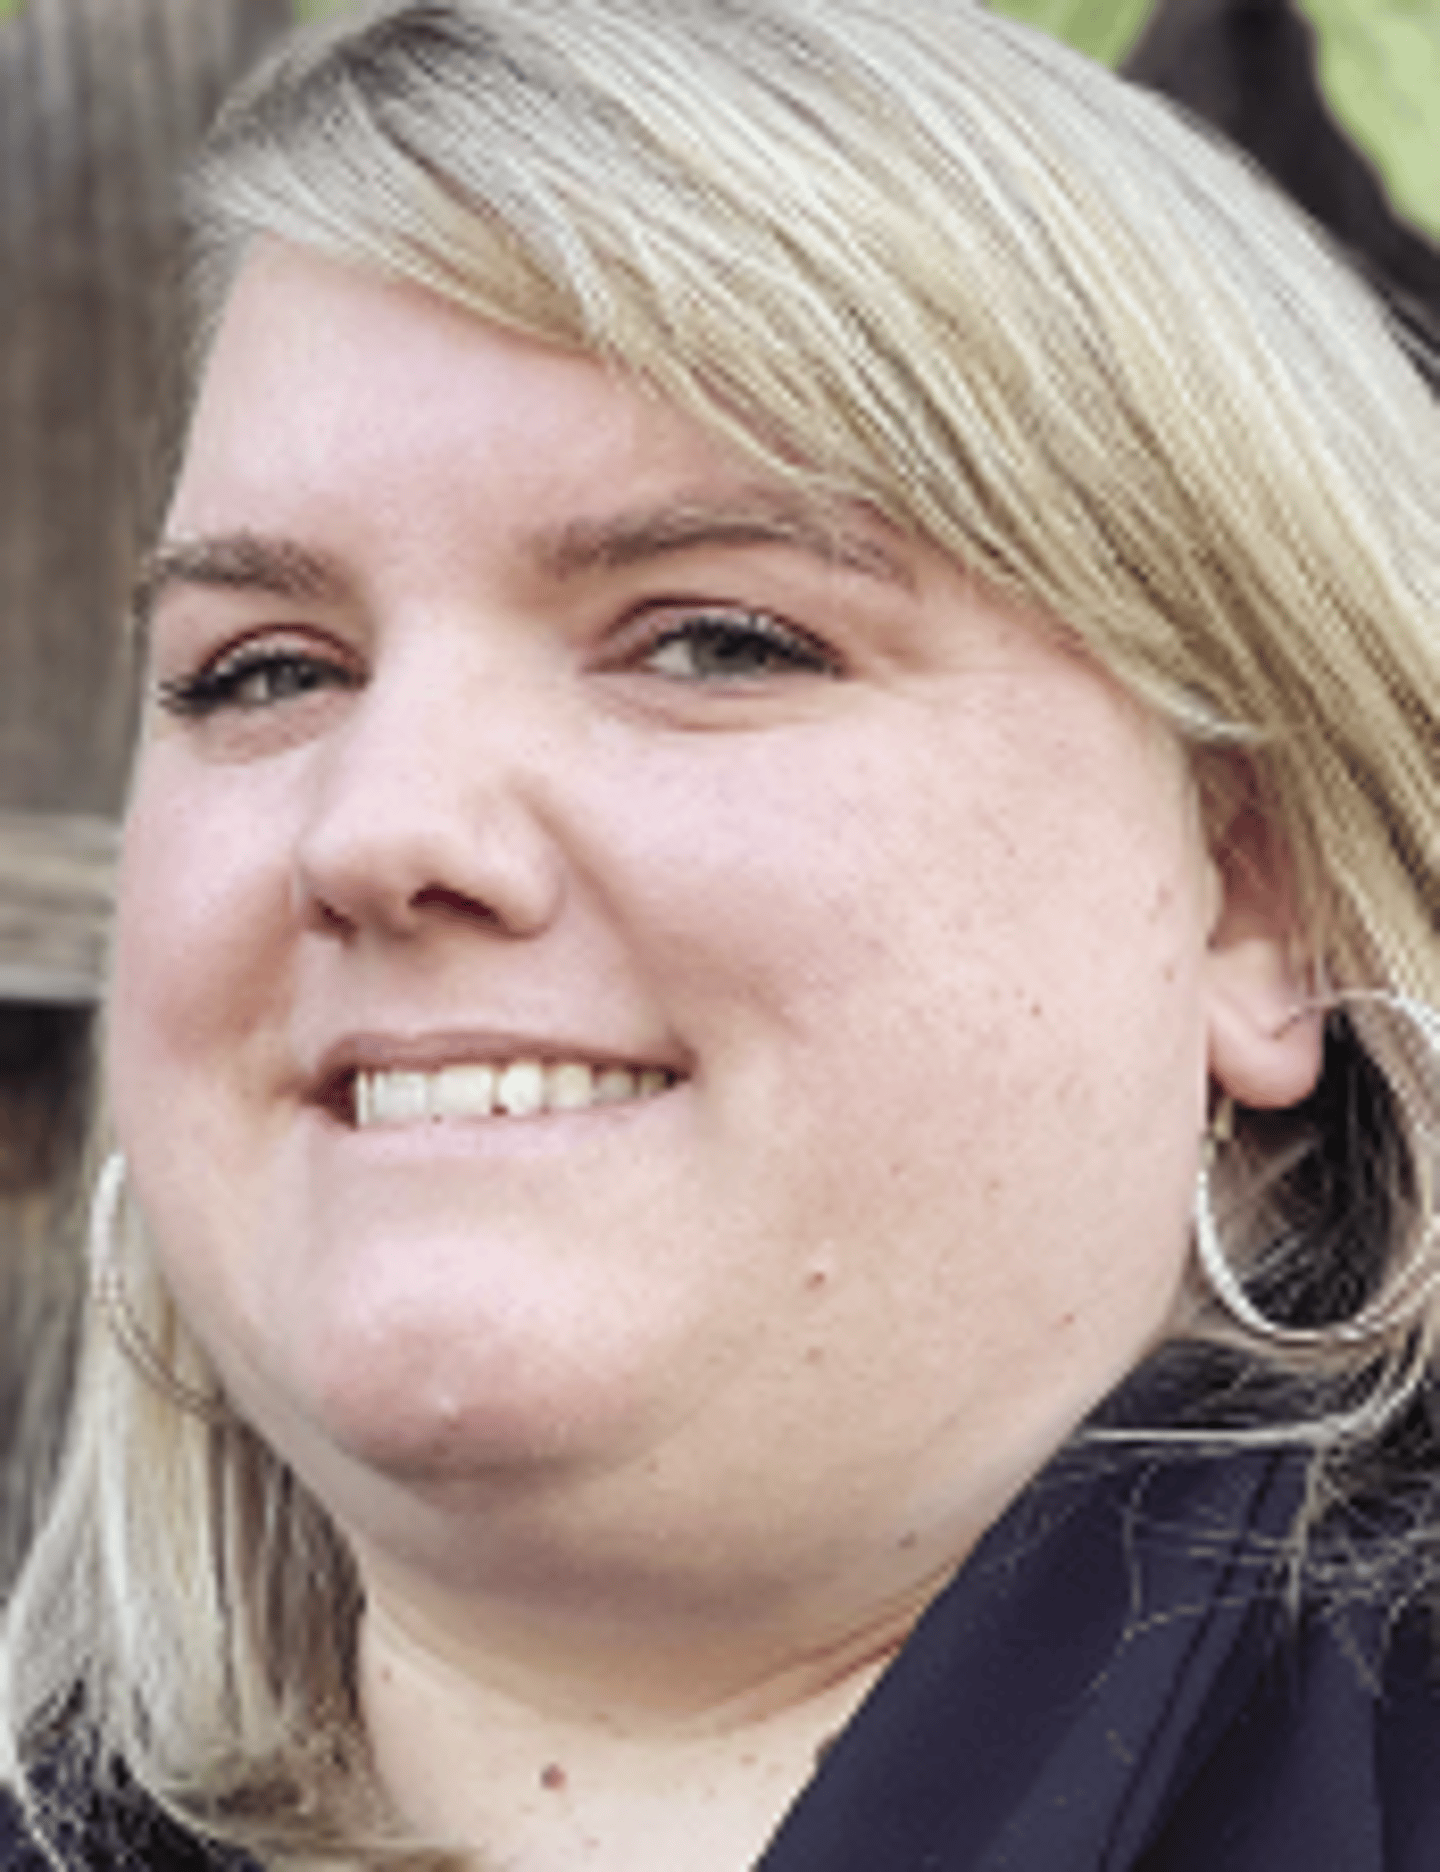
{"x": 511, "y": 738}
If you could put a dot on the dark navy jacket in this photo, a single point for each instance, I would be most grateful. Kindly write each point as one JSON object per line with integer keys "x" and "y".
{"x": 1114, "y": 1682}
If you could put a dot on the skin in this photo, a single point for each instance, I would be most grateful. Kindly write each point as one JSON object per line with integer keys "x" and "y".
{"x": 652, "y": 1427}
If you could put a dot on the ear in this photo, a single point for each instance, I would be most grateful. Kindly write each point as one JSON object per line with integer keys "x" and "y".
{"x": 1266, "y": 1036}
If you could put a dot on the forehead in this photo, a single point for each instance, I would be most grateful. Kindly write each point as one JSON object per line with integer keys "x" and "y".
{"x": 327, "y": 383}
{"x": 320, "y": 348}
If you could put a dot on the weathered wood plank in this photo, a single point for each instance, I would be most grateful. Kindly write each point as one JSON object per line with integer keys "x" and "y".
{"x": 100, "y": 103}
{"x": 56, "y": 882}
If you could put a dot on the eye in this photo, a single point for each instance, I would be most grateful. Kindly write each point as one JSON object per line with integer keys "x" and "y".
{"x": 718, "y": 646}
{"x": 255, "y": 676}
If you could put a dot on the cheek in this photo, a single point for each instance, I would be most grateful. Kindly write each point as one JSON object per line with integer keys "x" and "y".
{"x": 943, "y": 870}
{"x": 956, "y": 982}
{"x": 199, "y": 943}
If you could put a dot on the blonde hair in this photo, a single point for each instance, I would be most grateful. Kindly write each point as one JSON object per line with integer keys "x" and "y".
{"x": 909, "y": 255}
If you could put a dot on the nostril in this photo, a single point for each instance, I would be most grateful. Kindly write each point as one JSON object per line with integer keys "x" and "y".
{"x": 314, "y": 912}
{"x": 398, "y": 859}
{"x": 455, "y": 903}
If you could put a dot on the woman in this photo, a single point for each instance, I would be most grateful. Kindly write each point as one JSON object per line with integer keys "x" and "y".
{"x": 770, "y": 1014}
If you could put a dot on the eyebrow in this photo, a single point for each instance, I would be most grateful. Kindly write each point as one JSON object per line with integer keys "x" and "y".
{"x": 283, "y": 568}
{"x": 690, "y": 524}
{"x": 234, "y": 562}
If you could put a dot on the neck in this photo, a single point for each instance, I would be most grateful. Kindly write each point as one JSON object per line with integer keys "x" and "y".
{"x": 642, "y": 1749}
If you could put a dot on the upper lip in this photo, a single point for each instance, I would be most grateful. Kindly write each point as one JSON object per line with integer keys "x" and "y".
{"x": 354, "y": 1053}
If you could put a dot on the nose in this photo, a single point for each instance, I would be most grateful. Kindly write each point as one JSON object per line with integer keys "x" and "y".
{"x": 427, "y": 804}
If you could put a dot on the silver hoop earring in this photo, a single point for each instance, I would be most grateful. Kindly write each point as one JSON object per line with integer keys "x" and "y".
{"x": 107, "y": 1287}
{"x": 1371, "y": 1321}
{"x": 1222, "y": 1278}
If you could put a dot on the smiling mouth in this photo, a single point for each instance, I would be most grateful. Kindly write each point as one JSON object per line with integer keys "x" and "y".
{"x": 523, "y": 1088}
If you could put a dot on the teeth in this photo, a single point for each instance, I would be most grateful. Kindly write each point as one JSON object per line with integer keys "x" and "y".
{"x": 399, "y": 1098}
{"x": 615, "y": 1084}
{"x": 460, "y": 1092}
{"x": 522, "y": 1089}
{"x": 570, "y": 1087}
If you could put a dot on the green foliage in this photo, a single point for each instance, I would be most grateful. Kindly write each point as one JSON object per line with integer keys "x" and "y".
{"x": 1380, "y": 64}
{"x": 1104, "y": 29}
{"x": 7, "y": 7}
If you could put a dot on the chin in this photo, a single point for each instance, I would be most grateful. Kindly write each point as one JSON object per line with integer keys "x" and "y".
{"x": 432, "y": 1405}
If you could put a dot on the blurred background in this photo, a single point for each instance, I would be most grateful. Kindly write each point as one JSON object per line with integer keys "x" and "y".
{"x": 100, "y": 102}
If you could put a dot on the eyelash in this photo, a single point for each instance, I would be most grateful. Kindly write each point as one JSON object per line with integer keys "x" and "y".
{"x": 730, "y": 638}
{"x": 730, "y": 632}
{"x": 221, "y": 685}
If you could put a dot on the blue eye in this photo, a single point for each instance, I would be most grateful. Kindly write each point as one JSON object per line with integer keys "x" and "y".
{"x": 736, "y": 646}
{"x": 253, "y": 679}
